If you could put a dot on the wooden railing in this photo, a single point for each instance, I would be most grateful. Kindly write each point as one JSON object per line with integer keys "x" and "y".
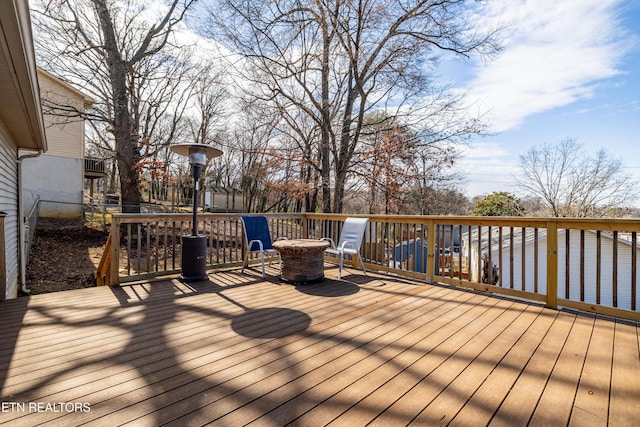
{"x": 584, "y": 264}
{"x": 103, "y": 273}
{"x": 150, "y": 245}
{"x": 94, "y": 167}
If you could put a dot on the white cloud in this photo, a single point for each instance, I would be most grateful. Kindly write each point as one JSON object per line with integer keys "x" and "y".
{"x": 490, "y": 151}
{"x": 556, "y": 52}
{"x": 488, "y": 167}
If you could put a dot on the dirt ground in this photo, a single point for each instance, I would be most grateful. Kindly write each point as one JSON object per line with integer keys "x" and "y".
{"x": 64, "y": 255}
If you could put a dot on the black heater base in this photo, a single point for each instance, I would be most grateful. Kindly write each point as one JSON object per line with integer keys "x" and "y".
{"x": 194, "y": 258}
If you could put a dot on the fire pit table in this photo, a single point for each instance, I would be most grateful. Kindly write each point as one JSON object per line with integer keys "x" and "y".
{"x": 302, "y": 259}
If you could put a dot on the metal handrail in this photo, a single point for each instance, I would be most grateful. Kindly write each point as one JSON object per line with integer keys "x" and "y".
{"x": 31, "y": 222}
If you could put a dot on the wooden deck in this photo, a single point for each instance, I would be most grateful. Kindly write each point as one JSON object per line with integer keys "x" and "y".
{"x": 240, "y": 350}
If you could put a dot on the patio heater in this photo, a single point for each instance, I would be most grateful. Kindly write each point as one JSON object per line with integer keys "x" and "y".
{"x": 194, "y": 246}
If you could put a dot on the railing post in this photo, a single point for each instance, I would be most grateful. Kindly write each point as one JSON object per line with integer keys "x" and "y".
{"x": 431, "y": 250}
{"x": 552, "y": 264}
{"x": 305, "y": 226}
{"x": 115, "y": 251}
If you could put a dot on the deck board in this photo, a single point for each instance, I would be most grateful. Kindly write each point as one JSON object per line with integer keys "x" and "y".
{"x": 271, "y": 364}
{"x": 315, "y": 375}
{"x": 459, "y": 375}
{"x": 559, "y": 393}
{"x": 376, "y": 349}
{"x": 625, "y": 375}
{"x": 591, "y": 405}
{"x": 519, "y": 405}
{"x": 350, "y": 377}
{"x": 487, "y": 399}
{"x": 460, "y": 326}
{"x": 426, "y": 314}
{"x": 460, "y": 404}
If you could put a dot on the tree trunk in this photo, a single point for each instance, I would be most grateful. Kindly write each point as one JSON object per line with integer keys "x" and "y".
{"x": 123, "y": 130}
{"x": 125, "y": 152}
{"x": 325, "y": 150}
{"x": 345, "y": 152}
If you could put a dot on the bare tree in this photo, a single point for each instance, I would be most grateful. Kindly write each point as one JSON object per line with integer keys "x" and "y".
{"x": 385, "y": 163}
{"x": 336, "y": 61}
{"x": 446, "y": 201}
{"x": 574, "y": 184}
{"x": 108, "y": 48}
{"x": 210, "y": 94}
{"x": 249, "y": 139}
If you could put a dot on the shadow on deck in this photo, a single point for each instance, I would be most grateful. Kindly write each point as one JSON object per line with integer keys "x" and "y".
{"x": 238, "y": 349}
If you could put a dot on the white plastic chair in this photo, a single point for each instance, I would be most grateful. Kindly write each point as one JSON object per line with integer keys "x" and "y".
{"x": 349, "y": 242}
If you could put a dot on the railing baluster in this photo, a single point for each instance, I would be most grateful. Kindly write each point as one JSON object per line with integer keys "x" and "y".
{"x": 139, "y": 247}
{"x": 230, "y": 231}
{"x": 500, "y": 244}
{"x": 469, "y": 272}
{"x": 552, "y": 264}
{"x": 392, "y": 245}
{"x": 582, "y": 258}
{"x": 614, "y": 273}
{"x": 129, "y": 236}
{"x": 148, "y": 229}
{"x": 238, "y": 239}
{"x": 535, "y": 260}
{"x": 404, "y": 260}
{"x": 523, "y": 258}
{"x": 439, "y": 249}
{"x": 379, "y": 253}
{"x": 166, "y": 246}
{"x": 218, "y": 242}
{"x": 211, "y": 249}
{"x": 567, "y": 264}
{"x": 480, "y": 254}
{"x": 511, "y": 257}
{"x": 489, "y": 258}
{"x": 414, "y": 229}
{"x": 634, "y": 260}
{"x": 451, "y": 248}
{"x": 598, "y": 265}
{"x": 174, "y": 239}
{"x": 157, "y": 245}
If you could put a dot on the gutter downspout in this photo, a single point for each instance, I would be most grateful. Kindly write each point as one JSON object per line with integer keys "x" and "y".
{"x": 22, "y": 249}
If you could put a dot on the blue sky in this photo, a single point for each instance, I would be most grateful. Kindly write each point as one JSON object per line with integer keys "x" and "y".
{"x": 570, "y": 69}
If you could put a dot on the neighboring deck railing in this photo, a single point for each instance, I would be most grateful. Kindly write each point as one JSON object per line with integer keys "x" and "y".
{"x": 94, "y": 167}
{"x": 584, "y": 264}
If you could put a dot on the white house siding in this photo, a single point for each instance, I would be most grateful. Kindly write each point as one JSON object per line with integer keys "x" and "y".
{"x": 590, "y": 267}
{"x": 65, "y": 136}
{"x": 58, "y": 182}
{"x": 9, "y": 205}
{"x": 57, "y": 176}
{"x": 529, "y": 266}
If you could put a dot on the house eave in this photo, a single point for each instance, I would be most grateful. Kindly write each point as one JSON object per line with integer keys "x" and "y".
{"x": 20, "y": 108}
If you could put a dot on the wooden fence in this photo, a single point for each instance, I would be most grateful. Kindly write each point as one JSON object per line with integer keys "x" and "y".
{"x": 584, "y": 264}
